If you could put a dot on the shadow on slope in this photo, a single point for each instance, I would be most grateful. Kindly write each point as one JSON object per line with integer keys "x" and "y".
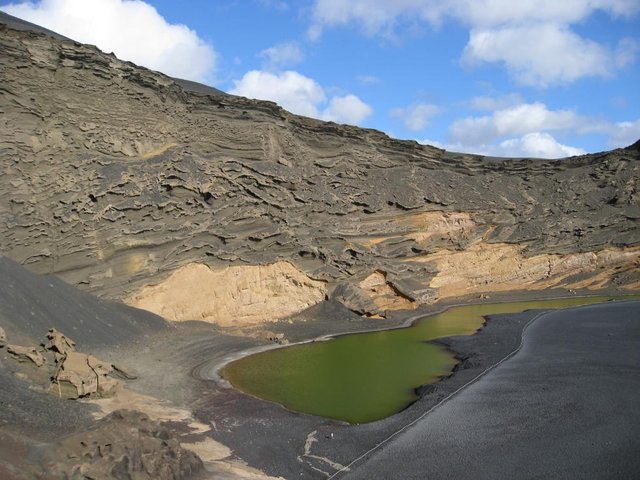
{"x": 30, "y": 304}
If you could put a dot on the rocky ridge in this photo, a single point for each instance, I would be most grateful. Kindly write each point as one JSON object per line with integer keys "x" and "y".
{"x": 115, "y": 177}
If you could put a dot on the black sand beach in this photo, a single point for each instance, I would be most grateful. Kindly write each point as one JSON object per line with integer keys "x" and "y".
{"x": 175, "y": 364}
{"x": 566, "y": 406}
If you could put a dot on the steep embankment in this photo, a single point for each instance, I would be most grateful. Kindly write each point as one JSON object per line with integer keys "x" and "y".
{"x": 115, "y": 177}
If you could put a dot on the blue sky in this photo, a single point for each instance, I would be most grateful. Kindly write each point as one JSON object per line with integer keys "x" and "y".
{"x": 542, "y": 78}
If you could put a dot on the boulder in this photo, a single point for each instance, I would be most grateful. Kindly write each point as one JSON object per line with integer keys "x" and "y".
{"x": 124, "y": 445}
{"x": 23, "y": 354}
{"x": 68, "y": 373}
{"x": 80, "y": 375}
{"x": 58, "y": 342}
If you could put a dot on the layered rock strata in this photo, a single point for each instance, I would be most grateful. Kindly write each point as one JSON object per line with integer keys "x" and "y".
{"x": 116, "y": 177}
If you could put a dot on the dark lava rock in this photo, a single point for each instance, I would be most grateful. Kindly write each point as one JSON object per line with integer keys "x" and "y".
{"x": 124, "y": 445}
{"x": 114, "y": 175}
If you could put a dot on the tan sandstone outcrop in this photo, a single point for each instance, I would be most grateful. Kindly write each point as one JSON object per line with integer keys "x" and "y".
{"x": 383, "y": 294}
{"x": 81, "y": 375}
{"x": 486, "y": 267}
{"x": 26, "y": 353}
{"x": 231, "y": 296}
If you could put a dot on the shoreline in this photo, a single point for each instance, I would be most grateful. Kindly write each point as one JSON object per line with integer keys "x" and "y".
{"x": 172, "y": 365}
{"x": 212, "y": 373}
{"x": 275, "y": 428}
{"x": 502, "y": 397}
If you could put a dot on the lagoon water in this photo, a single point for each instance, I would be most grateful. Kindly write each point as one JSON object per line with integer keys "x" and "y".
{"x": 364, "y": 377}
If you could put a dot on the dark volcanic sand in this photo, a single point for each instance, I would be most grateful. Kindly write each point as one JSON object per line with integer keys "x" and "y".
{"x": 173, "y": 364}
{"x": 566, "y": 406}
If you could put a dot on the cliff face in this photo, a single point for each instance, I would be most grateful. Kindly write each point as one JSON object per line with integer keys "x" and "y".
{"x": 114, "y": 176}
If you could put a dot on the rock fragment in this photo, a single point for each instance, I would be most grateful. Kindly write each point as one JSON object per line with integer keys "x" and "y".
{"x": 70, "y": 374}
{"x": 23, "y": 354}
{"x": 124, "y": 445}
{"x": 80, "y": 375}
{"x": 58, "y": 342}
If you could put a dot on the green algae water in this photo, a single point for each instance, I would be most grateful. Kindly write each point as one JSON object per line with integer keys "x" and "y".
{"x": 364, "y": 377}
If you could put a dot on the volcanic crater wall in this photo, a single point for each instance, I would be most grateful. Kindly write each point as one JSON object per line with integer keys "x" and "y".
{"x": 114, "y": 177}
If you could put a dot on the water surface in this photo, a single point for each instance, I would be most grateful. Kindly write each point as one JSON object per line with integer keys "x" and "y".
{"x": 364, "y": 377}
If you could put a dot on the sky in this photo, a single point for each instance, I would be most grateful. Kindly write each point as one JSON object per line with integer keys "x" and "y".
{"x": 541, "y": 78}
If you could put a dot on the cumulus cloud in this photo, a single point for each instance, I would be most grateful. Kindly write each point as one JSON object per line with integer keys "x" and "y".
{"x": 516, "y": 120}
{"x": 416, "y": 117}
{"x": 527, "y": 129}
{"x": 301, "y": 95}
{"x": 347, "y": 109}
{"x": 533, "y": 39}
{"x": 627, "y": 51}
{"x": 623, "y": 134}
{"x": 282, "y": 55}
{"x": 375, "y": 16}
{"x": 291, "y": 90}
{"x": 132, "y": 29}
{"x": 499, "y": 12}
{"x": 537, "y": 144}
{"x": 532, "y": 145}
{"x": 539, "y": 55}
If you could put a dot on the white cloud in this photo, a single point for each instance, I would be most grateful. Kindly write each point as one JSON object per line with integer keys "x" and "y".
{"x": 487, "y": 13}
{"x": 526, "y": 130}
{"x": 132, "y": 29}
{"x": 301, "y": 95}
{"x": 531, "y": 38}
{"x": 533, "y": 145}
{"x": 347, "y": 109}
{"x": 376, "y": 16}
{"x": 623, "y": 134}
{"x": 416, "y": 117}
{"x": 282, "y": 55}
{"x": 536, "y": 144}
{"x": 539, "y": 55}
{"x": 516, "y": 120}
{"x": 294, "y": 92}
{"x": 627, "y": 51}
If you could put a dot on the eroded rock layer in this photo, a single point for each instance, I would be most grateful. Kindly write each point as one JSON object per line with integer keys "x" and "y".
{"x": 114, "y": 177}
{"x": 241, "y": 295}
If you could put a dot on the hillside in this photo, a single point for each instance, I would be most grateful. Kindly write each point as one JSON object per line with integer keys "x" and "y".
{"x": 137, "y": 187}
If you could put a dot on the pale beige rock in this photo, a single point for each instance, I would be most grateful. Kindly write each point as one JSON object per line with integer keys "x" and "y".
{"x": 278, "y": 338}
{"x": 3, "y": 337}
{"x": 26, "y": 353}
{"x": 486, "y": 267}
{"x": 231, "y": 296}
{"x": 421, "y": 227}
{"x": 69, "y": 374}
{"x": 81, "y": 375}
{"x": 59, "y": 342}
{"x": 383, "y": 295}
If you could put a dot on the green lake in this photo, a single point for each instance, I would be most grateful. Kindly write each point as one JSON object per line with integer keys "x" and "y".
{"x": 364, "y": 377}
